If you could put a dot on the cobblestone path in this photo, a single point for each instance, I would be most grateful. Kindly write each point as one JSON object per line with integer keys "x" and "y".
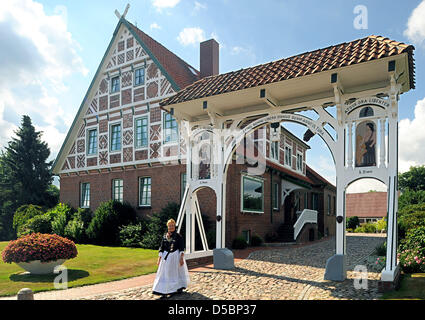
{"x": 282, "y": 273}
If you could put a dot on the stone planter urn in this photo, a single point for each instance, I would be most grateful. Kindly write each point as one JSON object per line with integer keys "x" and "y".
{"x": 38, "y": 267}
{"x": 39, "y": 253}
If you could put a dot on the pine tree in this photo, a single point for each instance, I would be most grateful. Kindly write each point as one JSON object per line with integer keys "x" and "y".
{"x": 25, "y": 173}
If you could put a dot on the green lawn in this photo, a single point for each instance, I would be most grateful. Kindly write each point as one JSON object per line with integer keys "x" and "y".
{"x": 412, "y": 287}
{"x": 93, "y": 264}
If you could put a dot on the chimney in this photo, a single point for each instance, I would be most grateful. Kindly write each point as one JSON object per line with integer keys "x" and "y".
{"x": 209, "y": 61}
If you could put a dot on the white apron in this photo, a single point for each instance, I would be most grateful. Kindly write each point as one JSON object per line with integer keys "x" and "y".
{"x": 171, "y": 276}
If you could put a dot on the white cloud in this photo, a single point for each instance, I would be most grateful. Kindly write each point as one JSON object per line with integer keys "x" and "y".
{"x": 366, "y": 185}
{"x": 38, "y": 55}
{"x": 237, "y": 50}
{"x": 155, "y": 26}
{"x": 198, "y": 7}
{"x": 416, "y": 24}
{"x": 412, "y": 139}
{"x": 191, "y": 36}
{"x": 248, "y": 52}
{"x": 325, "y": 167}
{"x": 163, "y": 4}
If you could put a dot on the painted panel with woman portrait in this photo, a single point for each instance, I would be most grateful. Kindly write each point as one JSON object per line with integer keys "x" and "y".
{"x": 366, "y": 144}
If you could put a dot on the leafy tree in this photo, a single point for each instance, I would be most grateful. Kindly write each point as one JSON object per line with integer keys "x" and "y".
{"x": 409, "y": 197}
{"x": 414, "y": 179}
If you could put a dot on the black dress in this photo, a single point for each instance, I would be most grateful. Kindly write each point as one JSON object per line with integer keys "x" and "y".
{"x": 369, "y": 158}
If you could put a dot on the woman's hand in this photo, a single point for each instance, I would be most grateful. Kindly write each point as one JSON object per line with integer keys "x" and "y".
{"x": 181, "y": 260}
{"x": 159, "y": 261}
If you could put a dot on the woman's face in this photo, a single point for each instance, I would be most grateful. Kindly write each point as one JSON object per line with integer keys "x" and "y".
{"x": 171, "y": 227}
{"x": 368, "y": 131}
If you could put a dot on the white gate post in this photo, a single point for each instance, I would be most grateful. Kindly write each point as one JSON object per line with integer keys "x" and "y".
{"x": 336, "y": 268}
{"x": 189, "y": 248}
{"x": 391, "y": 267}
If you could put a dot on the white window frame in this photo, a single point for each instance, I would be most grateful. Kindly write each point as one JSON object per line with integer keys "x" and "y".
{"x": 147, "y": 132}
{"x": 142, "y": 192}
{"x": 112, "y": 84}
{"x": 88, "y": 142}
{"x": 144, "y": 77}
{"x": 121, "y": 192}
{"x": 288, "y": 157}
{"x": 243, "y": 177}
{"x": 300, "y": 162}
{"x": 84, "y": 203}
{"x": 164, "y": 129}
{"x": 277, "y": 151}
{"x": 110, "y": 136}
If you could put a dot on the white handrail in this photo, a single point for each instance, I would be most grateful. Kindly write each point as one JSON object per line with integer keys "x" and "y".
{"x": 307, "y": 216}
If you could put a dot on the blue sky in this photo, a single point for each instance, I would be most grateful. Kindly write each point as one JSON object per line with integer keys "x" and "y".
{"x": 51, "y": 50}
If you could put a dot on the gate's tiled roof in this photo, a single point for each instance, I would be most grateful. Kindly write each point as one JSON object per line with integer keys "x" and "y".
{"x": 337, "y": 56}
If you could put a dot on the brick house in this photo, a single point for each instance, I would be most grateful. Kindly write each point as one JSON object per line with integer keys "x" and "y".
{"x": 122, "y": 145}
{"x": 367, "y": 206}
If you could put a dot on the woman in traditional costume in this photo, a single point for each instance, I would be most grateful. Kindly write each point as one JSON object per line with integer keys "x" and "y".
{"x": 369, "y": 158}
{"x": 172, "y": 275}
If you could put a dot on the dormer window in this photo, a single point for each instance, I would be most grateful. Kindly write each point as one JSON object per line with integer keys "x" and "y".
{"x": 275, "y": 150}
{"x": 288, "y": 156}
{"x": 299, "y": 162}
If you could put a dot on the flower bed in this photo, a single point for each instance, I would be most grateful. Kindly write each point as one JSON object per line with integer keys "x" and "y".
{"x": 412, "y": 260}
{"x": 38, "y": 246}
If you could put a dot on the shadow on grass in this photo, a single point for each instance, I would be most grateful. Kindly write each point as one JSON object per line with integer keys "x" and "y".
{"x": 73, "y": 274}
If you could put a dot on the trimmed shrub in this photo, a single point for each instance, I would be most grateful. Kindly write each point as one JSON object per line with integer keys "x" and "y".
{"x": 353, "y": 222}
{"x": 366, "y": 228}
{"x": 38, "y": 246}
{"x": 381, "y": 225}
{"x": 59, "y": 224}
{"x": 85, "y": 215}
{"x": 239, "y": 243}
{"x": 75, "y": 231}
{"x": 409, "y": 217}
{"x": 256, "y": 241}
{"x": 156, "y": 226}
{"x": 153, "y": 235}
{"x": 77, "y": 226}
{"x": 132, "y": 235}
{"x": 25, "y": 213}
{"x": 108, "y": 218}
{"x": 37, "y": 224}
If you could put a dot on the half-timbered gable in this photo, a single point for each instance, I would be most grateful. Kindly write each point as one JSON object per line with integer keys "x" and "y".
{"x": 120, "y": 122}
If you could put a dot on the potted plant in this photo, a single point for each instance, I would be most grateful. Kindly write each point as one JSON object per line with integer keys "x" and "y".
{"x": 39, "y": 253}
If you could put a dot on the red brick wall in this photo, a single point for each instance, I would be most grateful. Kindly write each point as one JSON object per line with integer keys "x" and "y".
{"x": 238, "y": 221}
{"x": 165, "y": 187}
{"x": 166, "y": 182}
{"x": 366, "y": 205}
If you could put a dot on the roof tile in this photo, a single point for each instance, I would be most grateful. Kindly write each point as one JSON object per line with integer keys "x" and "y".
{"x": 345, "y": 54}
